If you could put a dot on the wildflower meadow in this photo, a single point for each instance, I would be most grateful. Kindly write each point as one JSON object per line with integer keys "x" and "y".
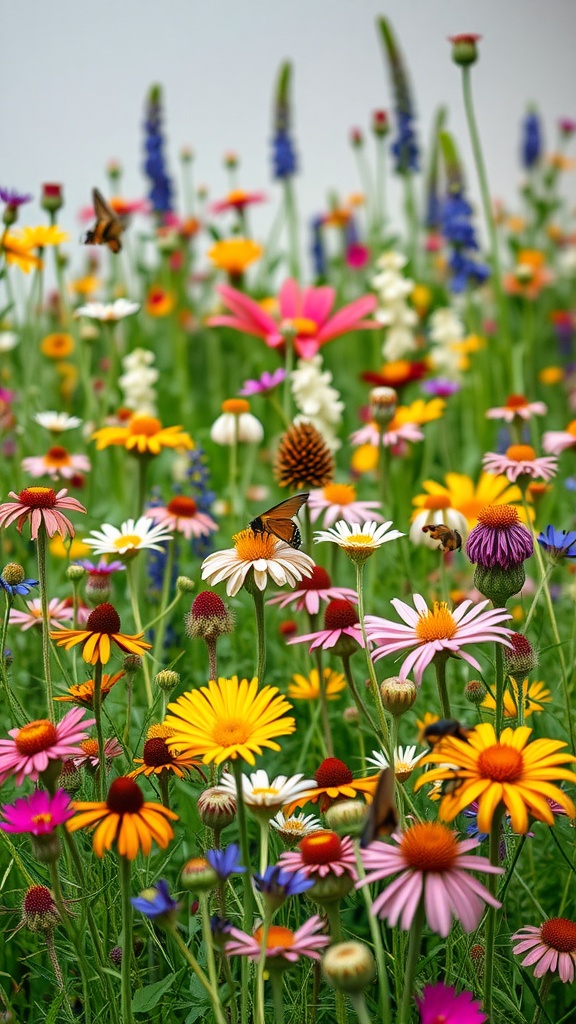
{"x": 288, "y": 647}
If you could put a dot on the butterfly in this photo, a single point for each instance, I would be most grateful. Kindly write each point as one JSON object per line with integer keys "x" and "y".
{"x": 450, "y": 540}
{"x": 278, "y": 520}
{"x": 382, "y": 814}
{"x": 437, "y": 731}
{"x": 108, "y": 227}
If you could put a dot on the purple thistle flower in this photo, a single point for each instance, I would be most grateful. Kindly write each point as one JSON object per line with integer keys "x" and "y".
{"x": 102, "y": 567}
{"x": 13, "y": 198}
{"x": 440, "y": 387}
{"x": 499, "y": 539}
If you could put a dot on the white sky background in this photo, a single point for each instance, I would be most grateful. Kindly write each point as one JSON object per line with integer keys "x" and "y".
{"x": 74, "y": 75}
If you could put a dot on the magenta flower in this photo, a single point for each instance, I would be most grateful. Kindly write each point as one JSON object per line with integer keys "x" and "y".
{"x": 520, "y": 460}
{"x": 32, "y": 747}
{"x": 440, "y": 1003}
{"x": 307, "y": 312}
{"x": 338, "y": 501}
{"x": 265, "y": 383}
{"x": 390, "y": 438}
{"x": 38, "y": 814}
{"x": 281, "y": 942}
{"x": 431, "y": 630}
{"x": 499, "y": 539}
{"x": 340, "y": 621}
{"x": 102, "y": 567}
{"x": 431, "y": 866}
{"x": 310, "y": 592}
{"x": 320, "y": 854}
{"x": 551, "y": 947}
{"x": 238, "y": 199}
{"x": 43, "y": 507}
{"x": 88, "y": 756}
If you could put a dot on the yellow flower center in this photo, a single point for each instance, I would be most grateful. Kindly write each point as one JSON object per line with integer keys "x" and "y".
{"x": 35, "y": 737}
{"x": 251, "y": 546}
{"x": 233, "y": 732}
{"x": 237, "y": 195}
{"x": 261, "y": 790}
{"x": 339, "y": 494}
{"x": 436, "y": 624}
{"x": 302, "y": 325}
{"x": 359, "y": 540}
{"x": 429, "y": 846}
{"x": 520, "y": 453}
{"x": 236, "y": 406}
{"x": 42, "y": 819}
{"x": 498, "y": 515}
{"x": 500, "y": 763}
{"x": 89, "y": 747}
{"x": 436, "y": 501}
{"x": 147, "y": 425}
{"x": 277, "y": 936}
{"x": 129, "y": 540}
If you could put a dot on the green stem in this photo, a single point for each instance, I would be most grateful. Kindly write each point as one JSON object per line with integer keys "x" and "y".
{"x": 97, "y": 708}
{"x": 210, "y": 959}
{"x": 490, "y": 931}
{"x": 371, "y": 671}
{"x": 499, "y": 687}
{"x": 143, "y": 461}
{"x": 544, "y": 988}
{"x": 277, "y": 982}
{"x": 324, "y": 702}
{"x": 133, "y": 591}
{"x": 363, "y": 710}
{"x": 333, "y": 914}
{"x": 264, "y": 837}
{"x": 77, "y": 940}
{"x": 124, "y": 868}
{"x": 288, "y": 366}
{"x": 260, "y": 633}
{"x": 536, "y": 598}
{"x": 192, "y": 961}
{"x": 440, "y": 667}
{"x": 374, "y": 924}
{"x": 292, "y": 223}
{"x": 359, "y": 1004}
{"x": 17, "y": 711}
{"x": 260, "y": 1018}
{"x": 411, "y": 964}
{"x": 41, "y": 552}
{"x": 162, "y": 617}
{"x": 247, "y": 884}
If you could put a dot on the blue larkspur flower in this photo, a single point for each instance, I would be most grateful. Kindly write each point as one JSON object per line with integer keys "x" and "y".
{"x": 155, "y": 902}
{"x": 558, "y": 544}
{"x": 317, "y": 249}
{"x": 531, "y": 148}
{"x": 284, "y": 164}
{"x": 404, "y": 148}
{"x": 277, "y": 882}
{"x": 226, "y": 862}
{"x": 458, "y": 230}
{"x": 160, "y": 192}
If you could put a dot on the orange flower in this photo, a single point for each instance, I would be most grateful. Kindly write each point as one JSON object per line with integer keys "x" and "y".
{"x": 124, "y": 818}
{"x": 159, "y": 301}
{"x": 335, "y": 782}
{"x": 157, "y": 758}
{"x": 234, "y": 254}
{"x": 103, "y": 625}
{"x": 82, "y": 694}
{"x": 57, "y": 346}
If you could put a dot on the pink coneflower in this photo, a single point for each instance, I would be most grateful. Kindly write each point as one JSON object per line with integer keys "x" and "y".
{"x": 56, "y": 463}
{"x": 182, "y": 514}
{"x": 432, "y": 866}
{"x": 265, "y": 384}
{"x": 433, "y": 630}
{"x": 43, "y": 507}
{"x": 36, "y": 744}
{"x": 338, "y": 501}
{"x": 310, "y": 592}
{"x": 237, "y": 199}
{"x": 320, "y": 854}
{"x": 439, "y": 1003}
{"x": 340, "y": 621}
{"x": 517, "y": 407}
{"x": 58, "y": 611}
{"x": 281, "y": 942}
{"x": 38, "y": 814}
{"x": 306, "y": 313}
{"x": 520, "y": 460}
{"x": 554, "y": 442}
{"x": 88, "y": 757}
{"x": 551, "y": 947}
{"x": 371, "y": 435}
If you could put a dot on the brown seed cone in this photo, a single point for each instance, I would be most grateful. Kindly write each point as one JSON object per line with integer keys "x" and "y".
{"x": 303, "y": 458}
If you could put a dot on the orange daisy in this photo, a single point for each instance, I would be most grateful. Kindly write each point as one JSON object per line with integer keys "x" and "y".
{"x": 157, "y": 758}
{"x": 103, "y": 625}
{"x": 335, "y": 781}
{"x": 82, "y": 694}
{"x": 124, "y": 818}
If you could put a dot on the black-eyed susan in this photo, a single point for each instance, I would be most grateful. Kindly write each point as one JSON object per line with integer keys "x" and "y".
{"x": 228, "y": 719}
{"x": 144, "y": 435}
{"x": 508, "y": 771}
{"x": 158, "y": 758}
{"x": 102, "y": 627}
{"x": 126, "y": 819}
{"x": 335, "y": 781}
{"x": 82, "y": 694}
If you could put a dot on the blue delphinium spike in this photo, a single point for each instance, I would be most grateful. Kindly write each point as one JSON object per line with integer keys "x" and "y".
{"x": 160, "y": 193}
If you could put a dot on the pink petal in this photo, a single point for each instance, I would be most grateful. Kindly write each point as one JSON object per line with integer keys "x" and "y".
{"x": 317, "y": 303}
{"x": 289, "y": 300}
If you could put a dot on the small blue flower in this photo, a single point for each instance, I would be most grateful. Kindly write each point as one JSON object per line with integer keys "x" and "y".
{"x": 531, "y": 140}
{"x": 458, "y": 229}
{"x": 278, "y": 882}
{"x": 160, "y": 194}
{"x": 317, "y": 249}
{"x": 226, "y": 862}
{"x": 23, "y": 588}
{"x": 284, "y": 163}
{"x": 558, "y": 544}
{"x": 405, "y": 146}
{"x": 156, "y": 901}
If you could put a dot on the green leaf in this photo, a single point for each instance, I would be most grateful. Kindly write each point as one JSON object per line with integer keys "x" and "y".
{"x": 52, "y": 1015}
{"x": 148, "y": 997}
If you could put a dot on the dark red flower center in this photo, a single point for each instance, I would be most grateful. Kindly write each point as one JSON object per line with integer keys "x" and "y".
{"x": 104, "y": 619}
{"x": 183, "y": 507}
{"x": 319, "y": 580}
{"x": 156, "y": 753}
{"x": 560, "y": 933}
{"x": 38, "y": 497}
{"x": 208, "y": 604}
{"x": 124, "y": 796}
{"x": 57, "y": 454}
{"x": 321, "y": 847}
{"x": 521, "y": 645}
{"x": 340, "y": 614}
{"x": 38, "y": 900}
{"x": 332, "y": 773}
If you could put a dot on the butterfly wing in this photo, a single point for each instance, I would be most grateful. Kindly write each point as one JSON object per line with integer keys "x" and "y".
{"x": 108, "y": 227}
{"x": 382, "y": 814}
{"x": 278, "y": 519}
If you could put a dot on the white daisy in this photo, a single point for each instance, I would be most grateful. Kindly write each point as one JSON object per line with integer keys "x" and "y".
{"x": 358, "y": 541}
{"x": 293, "y": 828}
{"x": 108, "y": 311}
{"x": 133, "y": 536}
{"x": 263, "y": 554}
{"x": 264, "y": 796}
{"x": 57, "y": 422}
{"x": 405, "y": 760}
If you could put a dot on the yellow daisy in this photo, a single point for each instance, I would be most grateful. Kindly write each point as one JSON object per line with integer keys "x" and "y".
{"x": 308, "y": 687}
{"x": 460, "y": 493}
{"x": 535, "y": 695}
{"x": 144, "y": 435}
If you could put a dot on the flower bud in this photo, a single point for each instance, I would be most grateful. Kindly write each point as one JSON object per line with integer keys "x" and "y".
{"x": 46, "y": 848}
{"x": 115, "y": 955}
{"x": 185, "y": 585}
{"x": 75, "y": 573}
{"x": 330, "y": 888}
{"x": 478, "y": 957}
{"x": 348, "y": 966}
{"x": 497, "y": 584}
{"x": 198, "y": 875}
{"x": 351, "y": 715}
{"x": 209, "y": 617}
{"x": 216, "y": 809}
{"x": 383, "y": 403}
{"x": 380, "y": 123}
{"x": 356, "y": 138}
{"x": 98, "y": 588}
{"x": 132, "y": 664}
{"x": 167, "y": 680}
{"x": 475, "y": 691}
{"x": 13, "y": 574}
{"x": 398, "y": 695}
{"x": 464, "y": 49}
{"x": 52, "y": 198}
{"x": 39, "y": 911}
{"x": 521, "y": 658}
{"x": 347, "y": 817}
{"x": 70, "y": 778}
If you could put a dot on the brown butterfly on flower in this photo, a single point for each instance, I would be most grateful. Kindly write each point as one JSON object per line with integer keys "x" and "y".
{"x": 450, "y": 540}
{"x": 278, "y": 520}
{"x": 108, "y": 227}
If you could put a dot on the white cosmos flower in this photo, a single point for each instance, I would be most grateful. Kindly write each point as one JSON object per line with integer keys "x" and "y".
{"x": 133, "y": 536}
{"x": 292, "y": 829}
{"x": 405, "y": 760}
{"x": 57, "y": 422}
{"x": 259, "y": 792}
{"x": 358, "y": 540}
{"x": 8, "y": 341}
{"x": 262, "y": 553}
{"x": 108, "y": 311}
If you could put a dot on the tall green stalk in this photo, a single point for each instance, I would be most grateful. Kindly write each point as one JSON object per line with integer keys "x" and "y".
{"x": 411, "y": 964}
{"x": 490, "y": 931}
{"x": 42, "y": 579}
{"x": 124, "y": 868}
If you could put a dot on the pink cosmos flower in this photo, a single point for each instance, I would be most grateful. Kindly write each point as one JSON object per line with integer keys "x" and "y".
{"x": 88, "y": 754}
{"x": 554, "y": 442}
{"x": 36, "y": 744}
{"x": 517, "y": 406}
{"x": 430, "y": 865}
{"x": 371, "y": 435}
{"x": 310, "y": 592}
{"x": 320, "y": 854}
{"x": 58, "y": 611}
{"x": 340, "y": 621}
{"x": 237, "y": 199}
{"x": 281, "y": 942}
{"x": 56, "y": 463}
{"x": 520, "y": 460}
{"x": 551, "y": 947}
{"x": 430, "y": 631}
{"x": 307, "y": 312}
{"x": 440, "y": 1003}
{"x": 43, "y": 507}
{"x": 338, "y": 501}
{"x": 38, "y": 814}
{"x": 182, "y": 514}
